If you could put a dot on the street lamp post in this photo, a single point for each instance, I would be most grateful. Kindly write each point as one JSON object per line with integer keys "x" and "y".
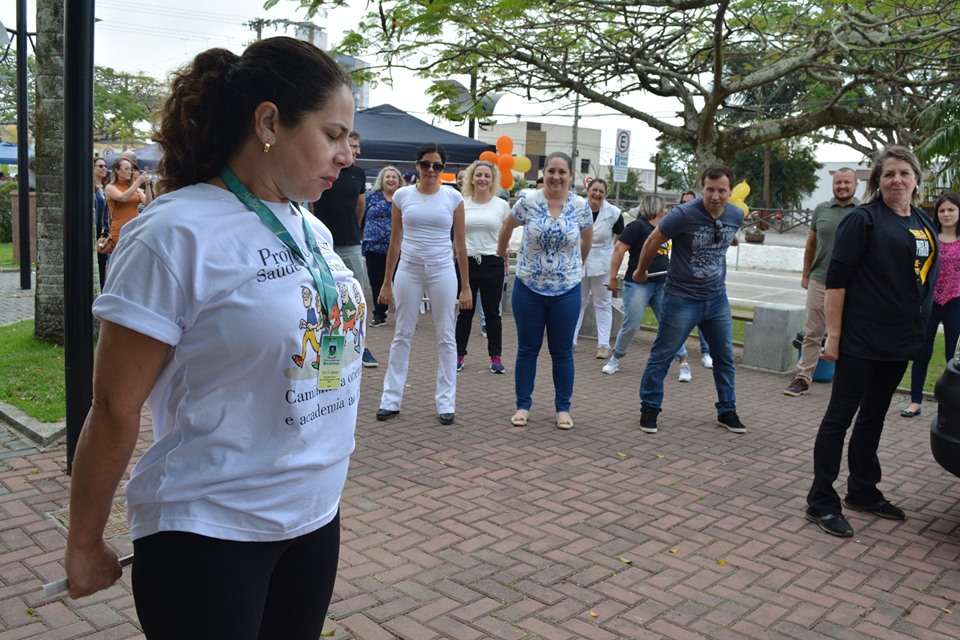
{"x": 78, "y": 220}
{"x": 23, "y": 154}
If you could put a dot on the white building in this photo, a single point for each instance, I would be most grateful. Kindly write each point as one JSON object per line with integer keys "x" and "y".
{"x": 315, "y": 35}
{"x": 824, "y": 190}
{"x": 536, "y": 140}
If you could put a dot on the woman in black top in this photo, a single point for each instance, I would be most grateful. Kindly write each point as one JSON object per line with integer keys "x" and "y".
{"x": 879, "y": 294}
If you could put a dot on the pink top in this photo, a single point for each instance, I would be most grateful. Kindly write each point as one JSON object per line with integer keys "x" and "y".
{"x": 948, "y": 284}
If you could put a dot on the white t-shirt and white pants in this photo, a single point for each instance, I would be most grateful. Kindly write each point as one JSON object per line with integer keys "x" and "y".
{"x": 426, "y": 263}
{"x": 596, "y": 273}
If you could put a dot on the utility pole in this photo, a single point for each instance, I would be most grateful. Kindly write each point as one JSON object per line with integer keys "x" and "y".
{"x": 576, "y": 120}
{"x": 257, "y": 24}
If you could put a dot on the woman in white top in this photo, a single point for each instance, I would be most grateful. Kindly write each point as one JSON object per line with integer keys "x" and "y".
{"x": 484, "y": 214}
{"x": 420, "y": 238}
{"x": 607, "y": 226}
{"x": 235, "y": 505}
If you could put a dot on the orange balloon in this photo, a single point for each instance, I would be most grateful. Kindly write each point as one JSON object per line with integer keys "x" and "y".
{"x": 505, "y": 162}
{"x": 506, "y": 180}
{"x": 489, "y": 156}
{"x": 448, "y": 177}
{"x": 504, "y": 145}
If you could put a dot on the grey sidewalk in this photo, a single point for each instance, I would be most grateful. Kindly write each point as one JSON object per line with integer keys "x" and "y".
{"x": 16, "y": 304}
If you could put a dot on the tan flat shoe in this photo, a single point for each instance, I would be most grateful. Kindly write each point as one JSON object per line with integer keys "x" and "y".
{"x": 519, "y": 419}
{"x": 564, "y": 422}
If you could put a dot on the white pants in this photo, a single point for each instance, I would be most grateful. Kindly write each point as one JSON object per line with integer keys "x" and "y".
{"x": 596, "y": 286}
{"x": 409, "y": 283}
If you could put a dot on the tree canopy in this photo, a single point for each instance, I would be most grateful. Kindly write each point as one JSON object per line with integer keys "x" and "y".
{"x": 860, "y": 71}
{"x": 793, "y": 170}
{"x": 122, "y": 102}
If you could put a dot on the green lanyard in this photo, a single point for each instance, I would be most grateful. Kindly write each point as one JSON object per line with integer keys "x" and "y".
{"x": 326, "y": 287}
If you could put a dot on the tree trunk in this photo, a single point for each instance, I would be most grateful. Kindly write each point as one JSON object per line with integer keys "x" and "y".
{"x": 49, "y": 170}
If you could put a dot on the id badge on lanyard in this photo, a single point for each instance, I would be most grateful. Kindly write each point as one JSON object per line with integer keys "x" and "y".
{"x": 331, "y": 344}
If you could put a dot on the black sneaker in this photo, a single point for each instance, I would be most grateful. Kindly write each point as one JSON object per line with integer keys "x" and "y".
{"x": 731, "y": 421}
{"x": 368, "y": 359}
{"x": 833, "y": 523}
{"x": 648, "y": 420}
{"x": 446, "y": 418}
{"x": 798, "y": 387}
{"x": 378, "y": 322}
{"x": 386, "y": 414}
{"x": 884, "y": 510}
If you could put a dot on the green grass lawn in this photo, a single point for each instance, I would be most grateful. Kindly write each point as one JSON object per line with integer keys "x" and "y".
{"x": 31, "y": 373}
{"x": 6, "y": 255}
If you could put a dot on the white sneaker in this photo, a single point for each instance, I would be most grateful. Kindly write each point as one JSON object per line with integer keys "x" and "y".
{"x": 612, "y": 366}
{"x": 707, "y": 361}
{"x": 685, "y": 374}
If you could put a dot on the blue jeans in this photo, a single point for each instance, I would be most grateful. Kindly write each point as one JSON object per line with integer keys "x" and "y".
{"x": 949, "y": 314}
{"x": 679, "y": 317}
{"x": 533, "y": 313}
{"x": 636, "y": 297}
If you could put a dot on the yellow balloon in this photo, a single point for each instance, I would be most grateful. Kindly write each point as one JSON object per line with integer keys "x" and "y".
{"x": 522, "y": 164}
{"x": 740, "y": 204}
{"x": 740, "y": 192}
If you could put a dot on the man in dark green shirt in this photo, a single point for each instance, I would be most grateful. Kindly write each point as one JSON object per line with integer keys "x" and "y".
{"x": 816, "y": 259}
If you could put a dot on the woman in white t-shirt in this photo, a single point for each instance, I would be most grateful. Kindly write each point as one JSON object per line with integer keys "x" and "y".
{"x": 234, "y": 508}
{"x": 484, "y": 214}
{"x": 607, "y": 227}
{"x": 423, "y": 215}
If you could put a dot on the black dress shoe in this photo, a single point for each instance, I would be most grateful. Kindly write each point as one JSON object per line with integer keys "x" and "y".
{"x": 386, "y": 414}
{"x": 885, "y": 510}
{"x": 446, "y": 418}
{"x": 833, "y": 523}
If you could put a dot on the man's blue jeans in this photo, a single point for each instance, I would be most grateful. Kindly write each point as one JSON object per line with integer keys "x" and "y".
{"x": 636, "y": 297}
{"x": 678, "y": 318}
{"x": 533, "y": 314}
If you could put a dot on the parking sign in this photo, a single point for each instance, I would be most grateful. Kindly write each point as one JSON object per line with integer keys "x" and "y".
{"x": 622, "y": 157}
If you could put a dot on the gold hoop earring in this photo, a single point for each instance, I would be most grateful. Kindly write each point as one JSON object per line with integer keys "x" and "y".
{"x": 266, "y": 147}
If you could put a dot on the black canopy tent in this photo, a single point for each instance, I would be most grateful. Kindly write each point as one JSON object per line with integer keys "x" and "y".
{"x": 388, "y": 136}
{"x": 391, "y": 136}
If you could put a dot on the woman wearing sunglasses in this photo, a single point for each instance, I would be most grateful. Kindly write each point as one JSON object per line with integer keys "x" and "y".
{"x": 423, "y": 215}
{"x": 103, "y": 224}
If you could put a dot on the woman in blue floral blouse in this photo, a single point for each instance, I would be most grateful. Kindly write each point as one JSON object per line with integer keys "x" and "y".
{"x": 376, "y": 234}
{"x": 557, "y": 234}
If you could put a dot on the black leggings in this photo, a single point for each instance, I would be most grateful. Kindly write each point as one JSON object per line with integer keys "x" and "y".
{"x": 486, "y": 278}
{"x": 189, "y": 586}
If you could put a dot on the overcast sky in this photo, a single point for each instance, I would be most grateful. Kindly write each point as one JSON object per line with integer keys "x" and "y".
{"x": 156, "y": 37}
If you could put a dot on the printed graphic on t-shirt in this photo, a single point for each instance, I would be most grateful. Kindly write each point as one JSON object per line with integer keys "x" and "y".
{"x": 709, "y": 250}
{"x": 345, "y": 319}
{"x": 925, "y": 257}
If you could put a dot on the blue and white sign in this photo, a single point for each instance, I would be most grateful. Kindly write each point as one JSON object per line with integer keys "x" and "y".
{"x": 621, "y": 159}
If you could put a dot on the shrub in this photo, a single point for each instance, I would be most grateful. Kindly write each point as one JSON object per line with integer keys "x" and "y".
{"x": 6, "y": 214}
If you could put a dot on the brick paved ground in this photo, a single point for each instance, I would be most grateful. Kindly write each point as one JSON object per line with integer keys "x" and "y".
{"x": 484, "y": 530}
